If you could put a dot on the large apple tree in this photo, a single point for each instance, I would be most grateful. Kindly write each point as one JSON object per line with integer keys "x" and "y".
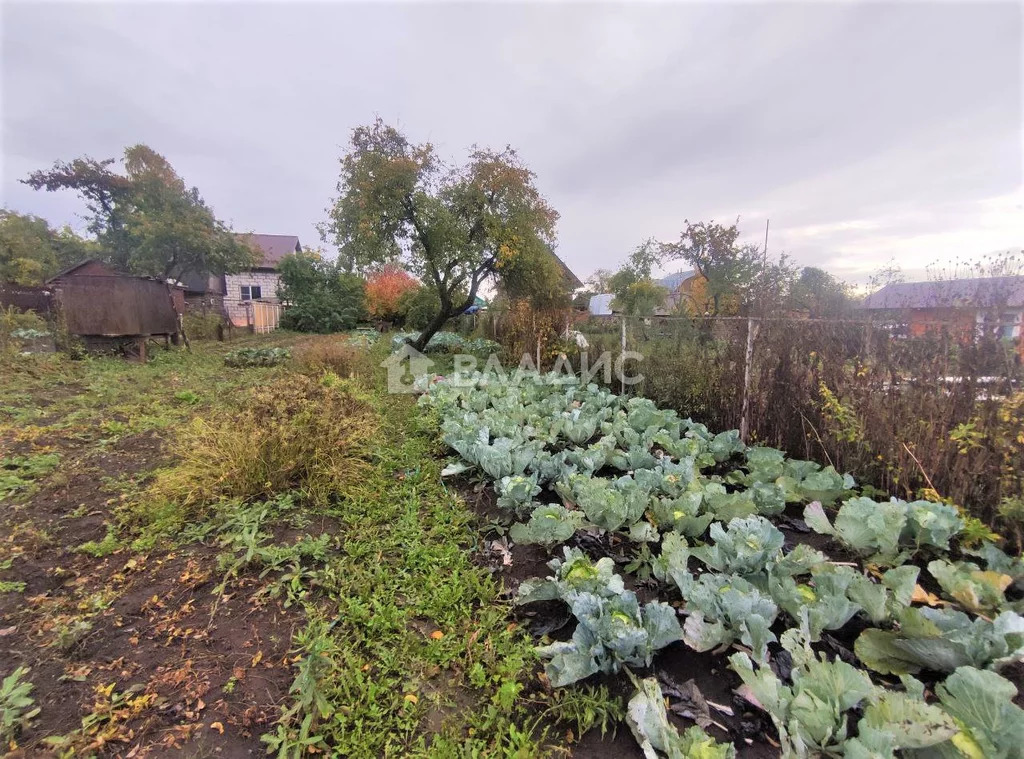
{"x": 452, "y": 226}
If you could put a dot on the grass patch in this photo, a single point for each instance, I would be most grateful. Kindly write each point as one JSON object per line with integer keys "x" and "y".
{"x": 100, "y": 549}
{"x": 297, "y": 433}
{"x": 319, "y": 495}
{"x": 405, "y": 629}
{"x": 21, "y": 472}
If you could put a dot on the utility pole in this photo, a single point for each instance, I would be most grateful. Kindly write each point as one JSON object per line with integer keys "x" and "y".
{"x": 765, "y": 253}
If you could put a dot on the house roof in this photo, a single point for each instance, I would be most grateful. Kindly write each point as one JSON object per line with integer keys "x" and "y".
{"x": 75, "y": 267}
{"x": 571, "y": 279}
{"x": 984, "y": 292}
{"x": 671, "y": 282}
{"x": 273, "y": 247}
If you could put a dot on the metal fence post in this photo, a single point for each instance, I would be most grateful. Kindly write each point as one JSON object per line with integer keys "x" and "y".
{"x": 747, "y": 356}
{"x": 622, "y": 352}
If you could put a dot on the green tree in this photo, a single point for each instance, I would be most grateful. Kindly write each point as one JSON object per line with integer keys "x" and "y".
{"x": 31, "y": 251}
{"x": 450, "y": 225}
{"x": 820, "y": 294}
{"x": 535, "y": 276}
{"x": 636, "y": 293}
{"x": 321, "y": 296}
{"x": 147, "y": 220}
{"x": 712, "y": 250}
{"x": 598, "y": 282}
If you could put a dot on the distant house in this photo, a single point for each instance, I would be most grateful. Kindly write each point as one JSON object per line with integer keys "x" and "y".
{"x": 234, "y": 294}
{"x": 680, "y": 287}
{"x": 959, "y": 305}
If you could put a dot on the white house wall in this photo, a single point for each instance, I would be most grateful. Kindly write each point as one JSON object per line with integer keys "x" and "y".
{"x": 267, "y": 281}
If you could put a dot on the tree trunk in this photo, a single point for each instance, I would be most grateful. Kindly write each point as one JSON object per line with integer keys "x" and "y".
{"x": 420, "y": 343}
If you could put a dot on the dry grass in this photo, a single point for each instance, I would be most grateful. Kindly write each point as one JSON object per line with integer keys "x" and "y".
{"x": 330, "y": 353}
{"x": 298, "y": 433}
{"x": 199, "y": 326}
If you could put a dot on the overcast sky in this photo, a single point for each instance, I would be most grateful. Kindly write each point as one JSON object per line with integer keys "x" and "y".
{"x": 865, "y": 132}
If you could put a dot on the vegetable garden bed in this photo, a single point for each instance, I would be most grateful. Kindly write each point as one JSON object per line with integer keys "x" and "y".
{"x": 811, "y": 619}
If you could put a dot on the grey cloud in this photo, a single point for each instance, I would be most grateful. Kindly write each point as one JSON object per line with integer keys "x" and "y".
{"x": 902, "y": 117}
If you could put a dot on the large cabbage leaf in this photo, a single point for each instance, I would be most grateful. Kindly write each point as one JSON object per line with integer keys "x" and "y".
{"x": 942, "y": 640}
{"x": 746, "y": 546}
{"x": 992, "y": 726}
{"x": 979, "y": 591}
{"x": 547, "y": 525}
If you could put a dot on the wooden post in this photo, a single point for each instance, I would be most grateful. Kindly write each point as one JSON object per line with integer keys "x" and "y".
{"x": 748, "y": 355}
{"x": 622, "y": 352}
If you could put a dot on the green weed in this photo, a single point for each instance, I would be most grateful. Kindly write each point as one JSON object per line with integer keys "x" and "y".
{"x": 296, "y": 433}
{"x": 17, "y": 707}
{"x": 413, "y": 624}
{"x": 585, "y": 708}
{"x": 18, "y": 473}
{"x": 99, "y": 549}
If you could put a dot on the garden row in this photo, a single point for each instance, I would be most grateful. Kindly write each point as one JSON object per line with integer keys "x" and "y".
{"x": 701, "y": 510}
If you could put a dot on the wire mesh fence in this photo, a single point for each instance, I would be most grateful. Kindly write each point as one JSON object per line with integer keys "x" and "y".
{"x": 937, "y": 409}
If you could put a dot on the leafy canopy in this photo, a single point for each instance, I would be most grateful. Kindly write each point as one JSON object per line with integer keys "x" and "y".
{"x": 636, "y": 293}
{"x": 147, "y": 220}
{"x": 451, "y": 226}
{"x": 31, "y": 251}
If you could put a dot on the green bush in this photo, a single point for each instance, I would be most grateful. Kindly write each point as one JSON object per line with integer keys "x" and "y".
{"x": 321, "y": 297}
{"x": 16, "y": 326}
{"x": 312, "y": 435}
{"x": 417, "y": 307}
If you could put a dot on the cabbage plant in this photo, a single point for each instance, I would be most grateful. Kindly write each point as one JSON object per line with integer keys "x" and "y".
{"x": 942, "y": 640}
{"x": 813, "y": 714}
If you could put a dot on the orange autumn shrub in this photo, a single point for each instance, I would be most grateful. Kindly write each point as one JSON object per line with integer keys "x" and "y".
{"x": 384, "y": 289}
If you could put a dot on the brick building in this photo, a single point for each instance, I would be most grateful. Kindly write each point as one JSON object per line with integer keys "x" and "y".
{"x": 235, "y": 294}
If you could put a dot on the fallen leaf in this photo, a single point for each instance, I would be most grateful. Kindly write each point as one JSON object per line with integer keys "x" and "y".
{"x": 922, "y": 596}
{"x": 411, "y": 698}
{"x": 218, "y": 727}
{"x": 257, "y": 658}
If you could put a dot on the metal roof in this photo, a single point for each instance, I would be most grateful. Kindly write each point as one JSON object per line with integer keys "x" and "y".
{"x": 985, "y": 292}
{"x": 671, "y": 282}
{"x": 273, "y": 247}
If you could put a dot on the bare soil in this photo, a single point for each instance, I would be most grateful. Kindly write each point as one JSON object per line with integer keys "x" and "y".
{"x": 212, "y": 674}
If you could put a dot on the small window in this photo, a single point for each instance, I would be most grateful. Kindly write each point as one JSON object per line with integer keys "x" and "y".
{"x": 251, "y": 292}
